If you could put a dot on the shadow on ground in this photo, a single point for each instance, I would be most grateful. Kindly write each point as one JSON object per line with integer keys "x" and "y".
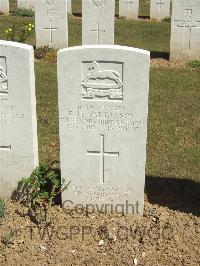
{"x": 157, "y": 54}
{"x": 144, "y": 17}
{"x": 176, "y": 194}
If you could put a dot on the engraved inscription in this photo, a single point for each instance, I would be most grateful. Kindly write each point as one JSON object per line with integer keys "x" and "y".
{"x": 102, "y": 193}
{"x": 102, "y": 80}
{"x": 3, "y": 76}
{"x": 99, "y": 117}
{"x": 102, "y": 154}
{"x": 188, "y": 24}
{"x": 98, "y": 3}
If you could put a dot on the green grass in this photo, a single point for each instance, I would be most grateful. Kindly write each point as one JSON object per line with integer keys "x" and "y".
{"x": 131, "y": 33}
{"x": 173, "y": 128}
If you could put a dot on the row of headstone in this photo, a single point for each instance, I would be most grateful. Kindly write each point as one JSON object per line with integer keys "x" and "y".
{"x": 51, "y": 23}
{"x": 98, "y": 121}
{"x": 159, "y": 9}
{"x": 26, "y": 4}
{"x": 98, "y": 25}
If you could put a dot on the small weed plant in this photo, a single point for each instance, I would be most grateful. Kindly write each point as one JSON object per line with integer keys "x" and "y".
{"x": 194, "y": 64}
{"x": 46, "y": 53}
{"x": 167, "y": 19}
{"x": 23, "y": 12}
{"x": 9, "y": 238}
{"x": 2, "y": 208}
{"x": 41, "y": 189}
{"x": 20, "y": 35}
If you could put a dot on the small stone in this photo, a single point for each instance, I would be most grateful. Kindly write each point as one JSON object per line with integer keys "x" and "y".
{"x": 135, "y": 261}
{"x": 101, "y": 242}
{"x": 43, "y": 248}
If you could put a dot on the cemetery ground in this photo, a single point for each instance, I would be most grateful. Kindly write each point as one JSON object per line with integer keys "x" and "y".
{"x": 169, "y": 232}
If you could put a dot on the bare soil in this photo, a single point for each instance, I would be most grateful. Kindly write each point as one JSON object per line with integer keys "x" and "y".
{"x": 163, "y": 236}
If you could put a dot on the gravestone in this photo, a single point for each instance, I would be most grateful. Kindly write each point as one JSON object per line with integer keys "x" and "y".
{"x": 51, "y": 23}
{"x": 26, "y": 4}
{"x": 4, "y": 7}
{"x": 159, "y": 9}
{"x": 18, "y": 123}
{"x": 69, "y": 6}
{"x": 129, "y": 8}
{"x": 185, "y": 30}
{"x": 103, "y": 103}
{"x": 98, "y": 21}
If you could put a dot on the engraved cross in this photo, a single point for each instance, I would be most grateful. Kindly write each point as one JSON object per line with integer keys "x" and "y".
{"x": 160, "y": 3}
{"x": 5, "y": 148}
{"x": 188, "y": 23}
{"x": 102, "y": 154}
{"x": 98, "y": 30}
{"x": 51, "y": 29}
{"x": 129, "y": 2}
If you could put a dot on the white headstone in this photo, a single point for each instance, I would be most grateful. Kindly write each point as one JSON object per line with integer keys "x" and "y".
{"x": 159, "y": 9}
{"x": 129, "y": 8}
{"x": 185, "y": 30}
{"x": 26, "y": 4}
{"x": 103, "y": 103}
{"x": 18, "y": 123}
{"x": 69, "y": 6}
{"x": 98, "y": 21}
{"x": 51, "y": 23}
{"x": 4, "y": 6}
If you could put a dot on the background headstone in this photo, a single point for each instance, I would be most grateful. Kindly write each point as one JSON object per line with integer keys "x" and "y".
{"x": 103, "y": 103}
{"x": 185, "y": 30}
{"x": 18, "y": 123}
{"x": 129, "y": 8}
{"x": 26, "y": 4}
{"x": 4, "y": 6}
{"x": 159, "y": 9}
{"x": 51, "y": 23}
{"x": 69, "y": 6}
{"x": 98, "y": 21}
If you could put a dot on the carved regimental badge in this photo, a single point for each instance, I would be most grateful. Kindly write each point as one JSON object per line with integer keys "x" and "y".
{"x": 3, "y": 76}
{"x": 102, "y": 80}
{"x": 98, "y": 3}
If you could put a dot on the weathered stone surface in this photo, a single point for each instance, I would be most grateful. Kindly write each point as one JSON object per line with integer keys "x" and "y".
{"x": 103, "y": 103}
{"x": 98, "y": 21}
{"x": 18, "y": 123}
{"x": 129, "y": 8}
{"x": 51, "y": 23}
{"x": 4, "y": 6}
{"x": 159, "y": 9}
{"x": 185, "y": 30}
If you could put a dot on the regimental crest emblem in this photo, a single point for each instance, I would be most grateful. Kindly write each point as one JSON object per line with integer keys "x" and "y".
{"x": 102, "y": 81}
{"x": 49, "y": 2}
{"x": 3, "y": 77}
{"x": 98, "y": 3}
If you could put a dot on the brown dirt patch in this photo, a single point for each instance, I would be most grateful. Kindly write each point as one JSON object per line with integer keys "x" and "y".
{"x": 163, "y": 63}
{"x": 161, "y": 237}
